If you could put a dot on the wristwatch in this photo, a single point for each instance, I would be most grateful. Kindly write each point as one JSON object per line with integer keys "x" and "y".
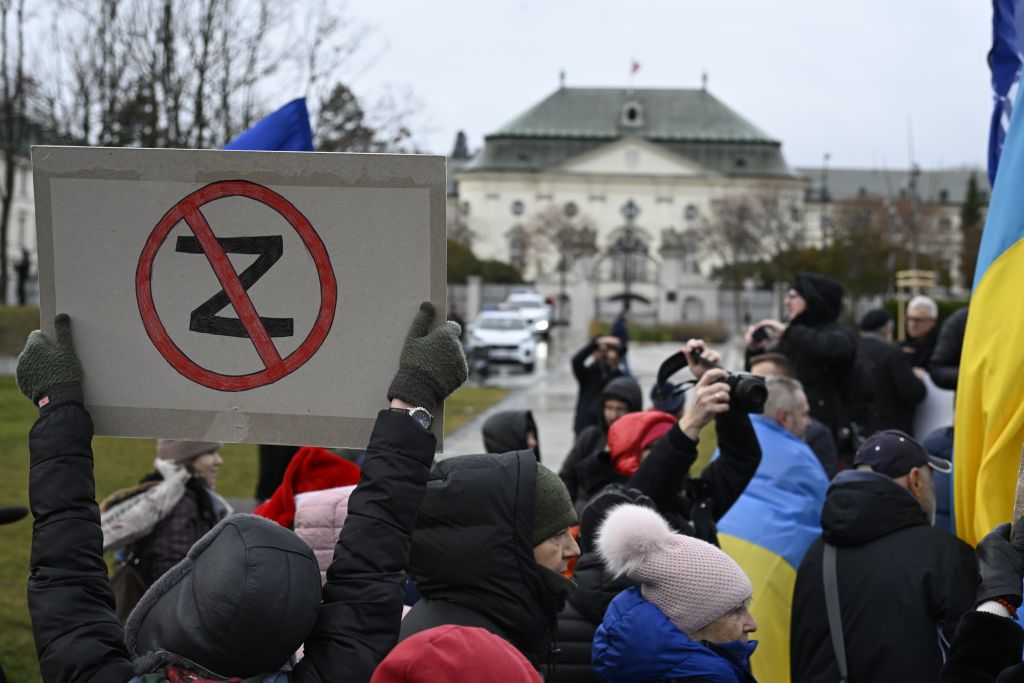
{"x": 421, "y": 415}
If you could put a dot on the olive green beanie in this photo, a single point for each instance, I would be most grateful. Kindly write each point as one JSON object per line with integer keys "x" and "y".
{"x": 552, "y": 506}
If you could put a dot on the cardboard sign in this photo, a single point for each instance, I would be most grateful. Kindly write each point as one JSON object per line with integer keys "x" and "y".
{"x": 238, "y": 296}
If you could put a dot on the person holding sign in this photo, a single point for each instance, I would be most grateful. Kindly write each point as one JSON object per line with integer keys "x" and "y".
{"x": 248, "y": 592}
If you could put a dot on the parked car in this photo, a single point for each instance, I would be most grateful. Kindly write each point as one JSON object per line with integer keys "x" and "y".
{"x": 534, "y": 310}
{"x": 506, "y": 338}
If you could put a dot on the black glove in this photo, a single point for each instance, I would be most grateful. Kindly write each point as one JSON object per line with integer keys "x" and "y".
{"x": 50, "y": 370}
{"x": 432, "y": 365}
{"x": 1001, "y": 563}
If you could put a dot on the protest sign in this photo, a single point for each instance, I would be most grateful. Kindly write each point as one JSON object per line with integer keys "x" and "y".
{"x": 238, "y": 296}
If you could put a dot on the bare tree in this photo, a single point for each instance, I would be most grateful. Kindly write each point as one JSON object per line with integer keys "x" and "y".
{"x": 748, "y": 229}
{"x": 167, "y": 73}
{"x": 746, "y": 234}
{"x": 14, "y": 127}
{"x": 195, "y": 73}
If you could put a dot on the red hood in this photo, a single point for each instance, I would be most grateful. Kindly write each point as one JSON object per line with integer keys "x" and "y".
{"x": 311, "y": 469}
{"x": 455, "y": 653}
{"x": 631, "y": 433}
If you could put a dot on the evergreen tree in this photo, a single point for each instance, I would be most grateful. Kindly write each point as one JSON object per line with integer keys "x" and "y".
{"x": 971, "y": 221}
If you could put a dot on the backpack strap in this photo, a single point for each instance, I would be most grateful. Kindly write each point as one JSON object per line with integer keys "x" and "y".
{"x": 835, "y": 621}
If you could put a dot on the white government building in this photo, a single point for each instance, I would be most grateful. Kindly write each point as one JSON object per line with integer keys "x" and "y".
{"x": 590, "y": 157}
{"x": 642, "y": 169}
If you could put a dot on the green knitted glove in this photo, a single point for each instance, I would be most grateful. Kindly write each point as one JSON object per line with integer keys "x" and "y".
{"x": 50, "y": 373}
{"x": 432, "y": 365}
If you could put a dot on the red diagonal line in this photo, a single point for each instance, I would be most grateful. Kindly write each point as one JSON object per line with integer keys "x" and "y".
{"x": 225, "y": 272}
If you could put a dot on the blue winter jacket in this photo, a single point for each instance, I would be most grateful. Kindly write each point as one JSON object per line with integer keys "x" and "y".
{"x": 637, "y": 643}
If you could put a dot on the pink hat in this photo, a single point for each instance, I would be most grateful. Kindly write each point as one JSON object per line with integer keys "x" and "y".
{"x": 691, "y": 581}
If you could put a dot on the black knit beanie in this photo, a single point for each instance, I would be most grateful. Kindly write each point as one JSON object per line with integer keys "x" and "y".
{"x": 552, "y": 506}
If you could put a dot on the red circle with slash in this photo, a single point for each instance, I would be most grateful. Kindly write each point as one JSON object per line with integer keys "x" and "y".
{"x": 276, "y": 367}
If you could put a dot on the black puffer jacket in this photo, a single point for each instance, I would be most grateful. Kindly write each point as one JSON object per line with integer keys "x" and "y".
{"x": 78, "y": 637}
{"x": 472, "y": 553}
{"x": 594, "y": 438}
{"x": 892, "y": 568}
{"x": 692, "y": 506}
{"x": 595, "y": 588}
{"x": 944, "y": 366}
{"x": 506, "y": 431}
{"x": 822, "y": 350}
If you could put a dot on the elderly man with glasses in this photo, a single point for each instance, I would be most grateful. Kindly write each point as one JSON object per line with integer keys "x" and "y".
{"x": 922, "y": 330}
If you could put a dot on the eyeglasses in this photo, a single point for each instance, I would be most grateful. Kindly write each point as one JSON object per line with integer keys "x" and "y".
{"x": 792, "y": 294}
{"x": 912, "y": 319}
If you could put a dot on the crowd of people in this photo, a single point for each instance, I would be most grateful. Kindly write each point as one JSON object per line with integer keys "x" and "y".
{"x": 628, "y": 564}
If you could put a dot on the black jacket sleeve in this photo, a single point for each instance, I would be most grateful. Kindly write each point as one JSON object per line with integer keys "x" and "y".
{"x": 831, "y": 344}
{"x": 361, "y": 613}
{"x": 71, "y": 603}
{"x": 579, "y": 360}
{"x": 909, "y": 389}
{"x": 985, "y": 646}
{"x": 582, "y": 448}
{"x": 953, "y": 591}
{"x": 944, "y": 367}
{"x": 664, "y": 471}
{"x": 739, "y": 454}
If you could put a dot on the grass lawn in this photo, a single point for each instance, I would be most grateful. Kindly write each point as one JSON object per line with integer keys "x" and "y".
{"x": 15, "y": 324}
{"x": 118, "y": 463}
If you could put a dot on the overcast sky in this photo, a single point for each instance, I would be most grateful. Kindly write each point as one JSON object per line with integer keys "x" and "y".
{"x": 819, "y": 75}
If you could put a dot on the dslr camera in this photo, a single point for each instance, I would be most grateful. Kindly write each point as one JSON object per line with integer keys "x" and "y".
{"x": 747, "y": 394}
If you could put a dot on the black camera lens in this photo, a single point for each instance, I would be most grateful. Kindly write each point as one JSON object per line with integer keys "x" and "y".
{"x": 749, "y": 393}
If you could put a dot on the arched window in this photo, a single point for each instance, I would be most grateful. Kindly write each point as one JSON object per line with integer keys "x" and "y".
{"x": 629, "y": 250}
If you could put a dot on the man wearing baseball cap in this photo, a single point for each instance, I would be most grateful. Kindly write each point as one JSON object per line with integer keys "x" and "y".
{"x": 880, "y": 594}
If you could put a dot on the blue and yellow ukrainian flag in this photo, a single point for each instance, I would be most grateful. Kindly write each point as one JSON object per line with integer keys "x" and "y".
{"x": 989, "y": 428}
{"x": 768, "y": 530}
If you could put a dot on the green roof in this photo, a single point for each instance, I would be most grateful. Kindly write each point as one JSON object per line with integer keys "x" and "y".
{"x": 572, "y": 121}
{"x": 667, "y": 115}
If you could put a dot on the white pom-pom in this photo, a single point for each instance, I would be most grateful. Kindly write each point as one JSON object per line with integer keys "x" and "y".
{"x": 628, "y": 535}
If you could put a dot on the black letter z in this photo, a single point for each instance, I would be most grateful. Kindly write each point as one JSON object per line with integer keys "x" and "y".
{"x": 204, "y": 319}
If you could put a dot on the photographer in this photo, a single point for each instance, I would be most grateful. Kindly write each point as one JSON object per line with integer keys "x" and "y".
{"x": 606, "y": 354}
{"x": 692, "y": 506}
{"x": 821, "y": 349}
